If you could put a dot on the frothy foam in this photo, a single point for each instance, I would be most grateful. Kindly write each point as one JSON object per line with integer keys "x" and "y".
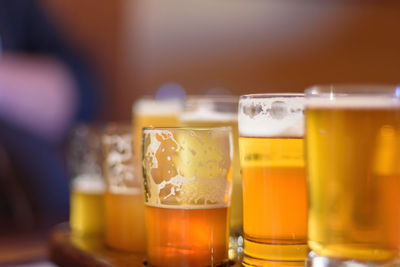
{"x": 88, "y": 184}
{"x": 157, "y": 107}
{"x": 357, "y": 102}
{"x": 208, "y": 116}
{"x": 271, "y": 117}
{"x": 180, "y": 189}
{"x": 189, "y": 207}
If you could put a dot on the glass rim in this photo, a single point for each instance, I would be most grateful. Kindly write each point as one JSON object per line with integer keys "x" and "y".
{"x": 272, "y": 95}
{"x": 212, "y": 98}
{"x": 352, "y": 89}
{"x": 219, "y": 129}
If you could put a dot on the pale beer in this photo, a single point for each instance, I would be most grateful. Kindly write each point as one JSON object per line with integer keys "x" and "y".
{"x": 353, "y": 154}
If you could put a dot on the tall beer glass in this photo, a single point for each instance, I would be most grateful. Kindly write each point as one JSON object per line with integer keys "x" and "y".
{"x": 87, "y": 186}
{"x": 353, "y": 166}
{"x": 123, "y": 200}
{"x": 217, "y": 111}
{"x": 273, "y": 175}
{"x": 151, "y": 112}
{"x": 187, "y": 179}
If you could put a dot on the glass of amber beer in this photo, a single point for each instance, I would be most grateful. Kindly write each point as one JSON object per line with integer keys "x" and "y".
{"x": 123, "y": 200}
{"x": 273, "y": 176}
{"x": 187, "y": 179}
{"x": 353, "y": 167}
{"x": 217, "y": 111}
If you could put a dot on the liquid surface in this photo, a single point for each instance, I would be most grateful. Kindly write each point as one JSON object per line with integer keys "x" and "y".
{"x": 124, "y": 219}
{"x": 354, "y": 181}
{"x": 186, "y": 237}
{"x": 87, "y": 212}
{"x": 274, "y": 195}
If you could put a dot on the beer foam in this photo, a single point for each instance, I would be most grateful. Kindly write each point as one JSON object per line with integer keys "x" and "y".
{"x": 180, "y": 189}
{"x": 206, "y": 115}
{"x": 356, "y": 102}
{"x": 88, "y": 184}
{"x": 157, "y": 107}
{"x": 125, "y": 190}
{"x": 189, "y": 207}
{"x": 271, "y": 117}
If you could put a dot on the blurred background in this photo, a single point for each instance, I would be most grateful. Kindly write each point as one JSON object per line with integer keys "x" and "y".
{"x": 69, "y": 61}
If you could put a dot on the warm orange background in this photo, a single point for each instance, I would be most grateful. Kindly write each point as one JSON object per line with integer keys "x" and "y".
{"x": 361, "y": 46}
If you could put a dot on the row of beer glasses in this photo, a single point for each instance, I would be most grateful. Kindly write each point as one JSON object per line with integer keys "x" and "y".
{"x": 320, "y": 171}
{"x": 352, "y": 162}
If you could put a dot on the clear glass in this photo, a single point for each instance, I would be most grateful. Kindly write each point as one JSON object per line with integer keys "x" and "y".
{"x": 188, "y": 181}
{"x": 353, "y": 155}
{"x": 87, "y": 186}
{"x": 273, "y": 175}
{"x": 151, "y": 112}
{"x": 123, "y": 200}
{"x": 218, "y": 111}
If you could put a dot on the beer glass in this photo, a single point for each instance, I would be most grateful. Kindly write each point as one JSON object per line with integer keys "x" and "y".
{"x": 273, "y": 174}
{"x": 87, "y": 186}
{"x": 148, "y": 111}
{"x": 217, "y": 111}
{"x": 353, "y": 156}
{"x": 187, "y": 179}
{"x": 123, "y": 200}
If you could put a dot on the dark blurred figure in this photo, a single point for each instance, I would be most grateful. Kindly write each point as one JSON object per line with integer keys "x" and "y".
{"x": 45, "y": 88}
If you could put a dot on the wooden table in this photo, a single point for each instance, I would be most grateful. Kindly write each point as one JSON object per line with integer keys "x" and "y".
{"x": 68, "y": 250}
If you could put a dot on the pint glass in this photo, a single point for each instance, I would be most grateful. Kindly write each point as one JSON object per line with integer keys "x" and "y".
{"x": 353, "y": 159}
{"x": 217, "y": 111}
{"x": 187, "y": 180}
{"x": 87, "y": 186}
{"x": 273, "y": 175}
{"x": 123, "y": 200}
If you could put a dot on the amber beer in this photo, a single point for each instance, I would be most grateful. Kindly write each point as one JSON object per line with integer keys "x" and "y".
{"x": 273, "y": 176}
{"x": 188, "y": 180}
{"x": 353, "y": 153}
{"x": 124, "y": 220}
{"x": 205, "y": 228}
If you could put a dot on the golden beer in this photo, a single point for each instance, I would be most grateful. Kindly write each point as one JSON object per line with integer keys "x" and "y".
{"x": 124, "y": 203}
{"x": 87, "y": 207}
{"x": 273, "y": 176}
{"x": 155, "y": 113}
{"x": 219, "y": 111}
{"x": 187, "y": 179}
{"x": 353, "y": 154}
{"x": 124, "y": 219}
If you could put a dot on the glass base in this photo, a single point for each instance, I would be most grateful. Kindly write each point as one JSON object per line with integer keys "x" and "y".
{"x": 315, "y": 260}
{"x": 261, "y": 254}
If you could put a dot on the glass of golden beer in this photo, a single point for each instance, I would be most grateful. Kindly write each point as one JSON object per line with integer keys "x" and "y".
{"x": 353, "y": 167}
{"x": 87, "y": 186}
{"x": 187, "y": 179}
{"x": 273, "y": 175}
{"x": 217, "y": 111}
{"x": 151, "y": 112}
{"x": 124, "y": 209}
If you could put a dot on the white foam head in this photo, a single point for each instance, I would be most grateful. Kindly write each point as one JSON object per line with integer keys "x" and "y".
{"x": 152, "y": 106}
{"x": 271, "y": 115}
{"x": 85, "y": 183}
{"x": 353, "y": 96}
